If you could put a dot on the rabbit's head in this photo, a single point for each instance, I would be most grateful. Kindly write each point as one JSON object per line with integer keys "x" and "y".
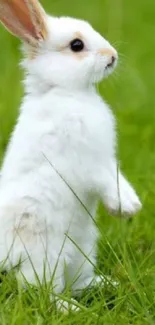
{"x": 63, "y": 52}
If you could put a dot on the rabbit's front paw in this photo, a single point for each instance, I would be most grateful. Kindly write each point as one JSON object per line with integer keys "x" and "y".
{"x": 129, "y": 202}
{"x": 124, "y": 201}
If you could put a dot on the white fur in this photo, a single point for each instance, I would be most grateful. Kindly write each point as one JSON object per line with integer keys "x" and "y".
{"x": 64, "y": 142}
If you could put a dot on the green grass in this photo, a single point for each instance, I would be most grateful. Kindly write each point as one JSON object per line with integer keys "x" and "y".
{"x": 126, "y": 250}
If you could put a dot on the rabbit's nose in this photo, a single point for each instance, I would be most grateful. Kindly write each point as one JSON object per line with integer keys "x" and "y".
{"x": 111, "y": 55}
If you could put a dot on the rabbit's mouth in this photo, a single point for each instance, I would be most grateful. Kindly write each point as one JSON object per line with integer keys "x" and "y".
{"x": 109, "y": 68}
{"x": 111, "y": 64}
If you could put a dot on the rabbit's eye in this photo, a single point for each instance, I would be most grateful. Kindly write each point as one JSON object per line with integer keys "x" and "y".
{"x": 77, "y": 45}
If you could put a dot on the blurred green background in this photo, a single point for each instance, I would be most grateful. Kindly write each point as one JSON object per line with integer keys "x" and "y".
{"x": 130, "y": 26}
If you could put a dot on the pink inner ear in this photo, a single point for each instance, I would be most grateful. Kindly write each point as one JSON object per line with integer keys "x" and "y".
{"x": 8, "y": 19}
{"x": 20, "y": 10}
{"x": 24, "y": 18}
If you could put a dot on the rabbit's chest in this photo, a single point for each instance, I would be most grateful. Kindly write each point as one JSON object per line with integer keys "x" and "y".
{"x": 80, "y": 135}
{"x": 82, "y": 124}
{"x": 90, "y": 128}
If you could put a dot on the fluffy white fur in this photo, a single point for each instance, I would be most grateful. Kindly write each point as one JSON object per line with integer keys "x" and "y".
{"x": 64, "y": 142}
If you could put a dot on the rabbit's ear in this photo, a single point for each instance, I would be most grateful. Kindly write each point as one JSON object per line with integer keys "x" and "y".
{"x": 25, "y": 19}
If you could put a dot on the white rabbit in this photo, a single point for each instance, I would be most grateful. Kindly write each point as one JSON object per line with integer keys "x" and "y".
{"x": 61, "y": 156}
